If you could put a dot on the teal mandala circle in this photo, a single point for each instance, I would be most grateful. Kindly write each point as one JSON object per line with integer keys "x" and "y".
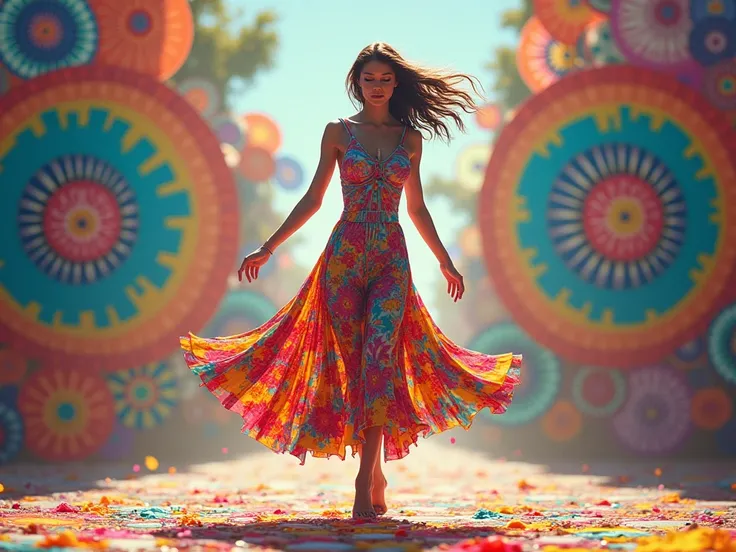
{"x": 540, "y": 375}
{"x": 722, "y": 343}
{"x": 598, "y": 391}
{"x": 144, "y": 396}
{"x": 241, "y": 311}
{"x": 39, "y": 36}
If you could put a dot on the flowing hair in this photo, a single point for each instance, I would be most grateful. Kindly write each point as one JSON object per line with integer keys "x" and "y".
{"x": 424, "y": 97}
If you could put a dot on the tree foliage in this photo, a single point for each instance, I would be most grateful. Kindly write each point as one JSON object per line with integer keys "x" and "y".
{"x": 229, "y": 49}
{"x": 508, "y": 84}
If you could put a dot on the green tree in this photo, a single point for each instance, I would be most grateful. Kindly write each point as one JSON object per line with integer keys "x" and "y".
{"x": 508, "y": 84}
{"x": 228, "y": 49}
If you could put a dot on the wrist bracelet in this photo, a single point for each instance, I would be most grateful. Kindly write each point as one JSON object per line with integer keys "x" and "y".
{"x": 267, "y": 249}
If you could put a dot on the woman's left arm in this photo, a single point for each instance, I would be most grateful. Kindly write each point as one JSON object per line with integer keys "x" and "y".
{"x": 422, "y": 219}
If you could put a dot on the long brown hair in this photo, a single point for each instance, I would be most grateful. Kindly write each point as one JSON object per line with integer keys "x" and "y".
{"x": 424, "y": 97}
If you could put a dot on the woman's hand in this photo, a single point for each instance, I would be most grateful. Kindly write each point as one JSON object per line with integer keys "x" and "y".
{"x": 252, "y": 264}
{"x": 455, "y": 285}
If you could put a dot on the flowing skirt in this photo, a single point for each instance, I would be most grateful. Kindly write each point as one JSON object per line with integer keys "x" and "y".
{"x": 355, "y": 348}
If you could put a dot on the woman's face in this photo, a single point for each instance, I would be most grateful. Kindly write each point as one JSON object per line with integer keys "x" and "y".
{"x": 377, "y": 82}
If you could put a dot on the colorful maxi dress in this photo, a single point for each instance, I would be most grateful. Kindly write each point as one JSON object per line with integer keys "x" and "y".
{"x": 355, "y": 347}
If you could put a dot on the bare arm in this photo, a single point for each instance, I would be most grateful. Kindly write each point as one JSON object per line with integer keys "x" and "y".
{"x": 312, "y": 199}
{"x": 415, "y": 205}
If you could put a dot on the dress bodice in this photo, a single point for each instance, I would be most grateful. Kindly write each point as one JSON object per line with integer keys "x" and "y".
{"x": 370, "y": 185}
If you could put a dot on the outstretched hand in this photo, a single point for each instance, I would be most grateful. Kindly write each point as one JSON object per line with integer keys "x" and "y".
{"x": 252, "y": 264}
{"x": 455, "y": 285}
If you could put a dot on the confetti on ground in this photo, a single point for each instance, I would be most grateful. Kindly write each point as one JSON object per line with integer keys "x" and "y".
{"x": 440, "y": 498}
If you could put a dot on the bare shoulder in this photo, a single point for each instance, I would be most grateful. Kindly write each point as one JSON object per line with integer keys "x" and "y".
{"x": 413, "y": 141}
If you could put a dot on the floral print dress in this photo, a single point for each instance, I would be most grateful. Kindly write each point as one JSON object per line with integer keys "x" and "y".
{"x": 355, "y": 347}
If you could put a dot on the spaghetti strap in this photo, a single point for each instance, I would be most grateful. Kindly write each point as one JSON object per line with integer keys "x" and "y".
{"x": 403, "y": 133}
{"x": 347, "y": 127}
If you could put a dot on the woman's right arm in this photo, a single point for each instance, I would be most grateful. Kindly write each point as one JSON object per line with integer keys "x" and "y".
{"x": 312, "y": 199}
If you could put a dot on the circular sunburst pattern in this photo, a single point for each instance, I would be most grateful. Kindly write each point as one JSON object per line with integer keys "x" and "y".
{"x": 712, "y": 40}
{"x": 691, "y": 355}
{"x": 616, "y": 216}
{"x": 68, "y": 414}
{"x": 202, "y": 94}
{"x": 540, "y": 375}
{"x": 78, "y": 219}
{"x": 600, "y": 47}
{"x": 11, "y": 425}
{"x": 701, "y": 9}
{"x": 711, "y": 408}
{"x": 653, "y": 33}
{"x": 722, "y": 343}
{"x": 289, "y": 173}
{"x": 542, "y": 60}
{"x": 263, "y": 132}
{"x": 562, "y": 422}
{"x": 145, "y": 396}
{"x": 153, "y": 37}
{"x": 470, "y": 166}
{"x": 93, "y": 160}
{"x": 598, "y": 391}
{"x": 655, "y": 419}
{"x": 241, "y": 311}
{"x": 583, "y": 213}
{"x": 38, "y": 36}
{"x": 565, "y": 20}
{"x": 719, "y": 85}
{"x": 229, "y": 129}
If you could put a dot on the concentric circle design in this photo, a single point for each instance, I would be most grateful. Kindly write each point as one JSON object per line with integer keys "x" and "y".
{"x": 565, "y": 20}
{"x": 263, "y": 132}
{"x": 722, "y": 343}
{"x": 540, "y": 376}
{"x": 653, "y": 33}
{"x": 598, "y": 391}
{"x": 583, "y": 212}
{"x": 489, "y": 116}
{"x": 713, "y": 39}
{"x": 562, "y": 422}
{"x": 119, "y": 219}
{"x": 68, "y": 414}
{"x": 13, "y": 366}
{"x": 600, "y": 47}
{"x": 703, "y": 9}
{"x": 711, "y": 408}
{"x": 655, "y": 418}
{"x": 691, "y": 355}
{"x": 78, "y": 219}
{"x": 153, "y": 37}
{"x": 229, "y": 130}
{"x": 240, "y": 312}
{"x": 257, "y": 164}
{"x": 38, "y": 36}
{"x": 616, "y": 216}
{"x": 470, "y": 166}
{"x": 145, "y": 396}
{"x": 202, "y": 94}
{"x": 719, "y": 85}
{"x": 11, "y": 426}
{"x": 542, "y": 60}
{"x": 289, "y": 173}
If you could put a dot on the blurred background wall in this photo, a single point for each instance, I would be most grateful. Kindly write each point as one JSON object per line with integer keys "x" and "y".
{"x": 147, "y": 145}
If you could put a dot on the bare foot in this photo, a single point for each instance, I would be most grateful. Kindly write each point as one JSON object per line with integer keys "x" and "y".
{"x": 362, "y": 507}
{"x": 378, "y": 495}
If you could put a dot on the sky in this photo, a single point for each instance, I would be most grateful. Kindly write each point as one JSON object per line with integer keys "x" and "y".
{"x": 319, "y": 40}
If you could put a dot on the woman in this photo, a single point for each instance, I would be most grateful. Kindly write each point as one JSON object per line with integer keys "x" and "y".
{"x": 354, "y": 359}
